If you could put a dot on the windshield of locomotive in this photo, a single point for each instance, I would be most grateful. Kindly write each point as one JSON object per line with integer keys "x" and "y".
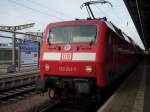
{"x": 73, "y": 34}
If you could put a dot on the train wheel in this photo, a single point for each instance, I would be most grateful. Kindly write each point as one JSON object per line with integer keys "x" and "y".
{"x": 99, "y": 96}
{"x": 51, "y": 93}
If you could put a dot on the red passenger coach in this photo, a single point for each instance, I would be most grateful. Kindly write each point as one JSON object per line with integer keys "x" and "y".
{"x": 83, "y": 57}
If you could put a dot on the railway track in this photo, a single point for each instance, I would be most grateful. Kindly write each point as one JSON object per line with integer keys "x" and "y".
{"x": 63, "y": 106}
{"x": 16, "y": 94}
{"x": 16, "y": 87}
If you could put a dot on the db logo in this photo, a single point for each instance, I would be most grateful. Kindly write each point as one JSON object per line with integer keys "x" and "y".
{"x": 66, "y": 56}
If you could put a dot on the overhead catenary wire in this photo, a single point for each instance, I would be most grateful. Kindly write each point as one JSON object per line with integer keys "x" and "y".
{"x": 35, "y": 10}
{"x": 119, "y": 18}
{"x": 105, "y": 13}
{"x": 50, "y": 9}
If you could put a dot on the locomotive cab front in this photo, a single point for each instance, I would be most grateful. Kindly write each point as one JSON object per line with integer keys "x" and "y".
{"x": 69, "y": 57}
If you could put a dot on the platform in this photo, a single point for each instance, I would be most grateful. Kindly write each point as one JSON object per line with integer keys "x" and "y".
{"x": 133, "y": 95}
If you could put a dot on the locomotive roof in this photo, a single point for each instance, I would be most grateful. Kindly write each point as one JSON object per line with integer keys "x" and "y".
{"x": 114, "y": 28}
{"x": 118, "y": 31}
{"x": 108, "y": 23}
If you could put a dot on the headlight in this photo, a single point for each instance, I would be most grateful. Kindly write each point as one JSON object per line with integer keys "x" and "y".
{"x": 47, "y": 67}
{"x": 88, "y": 69}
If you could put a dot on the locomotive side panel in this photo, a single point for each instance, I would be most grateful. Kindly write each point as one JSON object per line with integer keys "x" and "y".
{"x": 119, "y": 58}
{"x": 101, "y": 55}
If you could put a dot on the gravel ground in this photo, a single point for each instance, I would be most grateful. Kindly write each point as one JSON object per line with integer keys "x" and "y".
{"x": 30, "y": 104}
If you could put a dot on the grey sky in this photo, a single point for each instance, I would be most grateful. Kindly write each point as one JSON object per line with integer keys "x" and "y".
{"x": 42, "y": 12}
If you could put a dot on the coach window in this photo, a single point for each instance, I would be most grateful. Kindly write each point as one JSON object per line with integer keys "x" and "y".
{"x": 110, "y": 38}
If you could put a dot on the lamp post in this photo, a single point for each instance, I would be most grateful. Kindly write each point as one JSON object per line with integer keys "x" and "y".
{"x": 14, "y": 47}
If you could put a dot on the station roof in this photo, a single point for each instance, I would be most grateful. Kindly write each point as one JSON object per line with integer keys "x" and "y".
{"x": 140, "y": 13}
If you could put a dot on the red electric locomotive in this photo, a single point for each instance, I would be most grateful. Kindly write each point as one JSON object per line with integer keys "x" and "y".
{"x": 83, "y": 57}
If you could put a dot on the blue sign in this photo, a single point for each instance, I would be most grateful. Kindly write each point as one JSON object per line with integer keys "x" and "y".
{"x": 29, "y": 54}
{"x": 29, "y": 47}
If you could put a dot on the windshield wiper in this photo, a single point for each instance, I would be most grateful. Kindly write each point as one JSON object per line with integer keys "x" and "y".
{"x": 48, "y": 42}
{"x": 92, "y": 41}
{"x": 49, "y": 37}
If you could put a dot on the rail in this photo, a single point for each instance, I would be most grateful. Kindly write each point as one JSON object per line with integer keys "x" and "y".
{"x": 13, "y": 85}
{"x": 16, "y": 80}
